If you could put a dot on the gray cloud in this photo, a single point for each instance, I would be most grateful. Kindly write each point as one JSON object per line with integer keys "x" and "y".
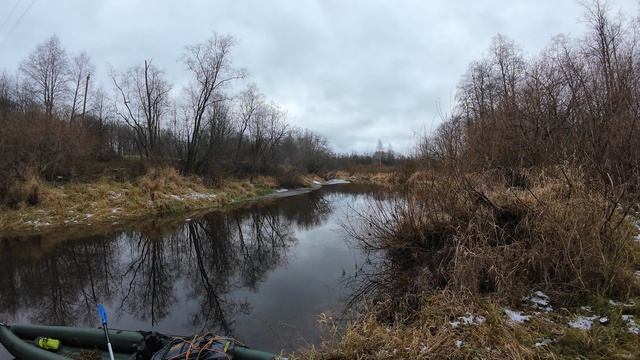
{"x": 356, "y": 71}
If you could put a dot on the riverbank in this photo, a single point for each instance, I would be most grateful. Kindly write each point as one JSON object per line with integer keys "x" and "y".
{"x": 106, "y": 202}
{"x": 460, "y": 326}
{"x": 488, "y": 265}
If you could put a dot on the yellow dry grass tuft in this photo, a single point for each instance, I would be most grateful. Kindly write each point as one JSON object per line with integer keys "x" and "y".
{"x": 160, "y": 190}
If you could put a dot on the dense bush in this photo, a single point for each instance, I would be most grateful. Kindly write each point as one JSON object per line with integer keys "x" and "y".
{"x": 476, "y": 234}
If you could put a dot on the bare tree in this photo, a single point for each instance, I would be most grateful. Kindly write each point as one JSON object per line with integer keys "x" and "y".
{"x": 266, "y": 130}
{"x": 143, "y": 95}
{"x": 249, "y": 102}
{"x": 211, "y": 68}
{"x": 45, "y": 71}
{"x": 80, "y": 71}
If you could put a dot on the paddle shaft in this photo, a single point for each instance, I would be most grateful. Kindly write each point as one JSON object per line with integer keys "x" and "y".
{"x": 103, "y": 318}
{"x": 106, "y": 335}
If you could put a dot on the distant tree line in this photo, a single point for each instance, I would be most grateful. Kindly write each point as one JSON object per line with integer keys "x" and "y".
{"x": 577, "y": 102}
{"x": 54, "y": 117}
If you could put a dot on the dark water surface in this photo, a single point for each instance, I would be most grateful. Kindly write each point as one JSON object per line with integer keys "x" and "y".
{"x": 262, "y": 273}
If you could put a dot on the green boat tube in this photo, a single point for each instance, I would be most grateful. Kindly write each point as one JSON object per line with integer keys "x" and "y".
{"x": 19, "y": 340}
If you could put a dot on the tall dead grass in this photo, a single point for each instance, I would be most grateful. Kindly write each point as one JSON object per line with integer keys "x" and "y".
{"x": 158, "y": 181}
{"x": 476, "y": 244}
{"x": 24, "y": 189}
{"x": 477, "y": 234}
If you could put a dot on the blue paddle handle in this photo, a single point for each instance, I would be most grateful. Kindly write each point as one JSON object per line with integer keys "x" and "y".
{"x": 103, "y": 314}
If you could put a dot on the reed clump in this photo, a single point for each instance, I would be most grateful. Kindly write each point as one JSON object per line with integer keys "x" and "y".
{"x": 477, "y": 234}
{"x": 476, "y": 244}
{"x": 166, "y": 180}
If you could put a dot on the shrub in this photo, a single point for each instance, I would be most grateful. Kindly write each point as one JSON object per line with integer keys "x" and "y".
{"x": 23, "y": 190}
{"x": 473, "y": 233}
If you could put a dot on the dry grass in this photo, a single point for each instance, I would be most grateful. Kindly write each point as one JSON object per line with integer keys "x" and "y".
{"x": 104, "y": 201}
{"x": 482, "y": 236}
{"x": 429, "y": 334}
{"x": 24, "y": 191}
{"x": 477, "y": 244}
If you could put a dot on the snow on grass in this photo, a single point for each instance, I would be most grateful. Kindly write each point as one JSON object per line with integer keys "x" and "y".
{"x": 544, "y": 342}
{"x": 583, "y": 322}
{"x": 516, "y": 317}
{"x": 37, "y": 223}
{"x": 201, "y": 196}
{"x": 337, "y": 181}
{"x": 282, "y": 190}
{"x": 632, "y": 326}
{"x": 618, "y": 303}
{"x": 538, "y": 300}
{"x": 114, "y": 195}
{"x": 468, "y": 319}
{"x": 459, "y": 343}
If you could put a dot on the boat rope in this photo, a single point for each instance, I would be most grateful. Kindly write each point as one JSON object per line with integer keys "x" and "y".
{"x": 196, "y": 348}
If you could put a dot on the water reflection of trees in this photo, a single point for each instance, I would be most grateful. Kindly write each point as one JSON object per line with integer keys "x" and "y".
{"x": 59, "y": 288}
{"x": 145, "y": 272}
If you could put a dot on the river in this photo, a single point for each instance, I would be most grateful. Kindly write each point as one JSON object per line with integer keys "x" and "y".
{"x": 262, "y": 272}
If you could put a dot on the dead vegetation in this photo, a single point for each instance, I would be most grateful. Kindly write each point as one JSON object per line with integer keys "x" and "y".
{"x": 42, "y": 206}
{"x": 477, "y": 234}
{"x": 476, "y": 245}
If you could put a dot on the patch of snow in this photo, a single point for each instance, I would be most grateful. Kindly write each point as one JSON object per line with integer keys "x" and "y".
{"x": 37, "y": 223}
{"x": 187, "y": 220}
{"x": 583, "y": 322}
{"x": 282, "y": 190}
{"x": 637, "y": 274}
{"x": 336, "y": 182}
{"x": 539, "y": 300}
{"x": 115, "y": 210}
{"x": 618, "y": 303}
{"x": 317, "y": 182}
{"x": 632, "y": 326}
{"x": 604, "y": 320}
{"x": 114, "y": 195}
{"x": 468, "y": 319}
{"x": 459, "y": 343}
{"x": 516, "y": 316}
{"x": 586, "y": 308}
{"x": 544, "y": 342}
{"x": 201, "y": 196}
{"x": 88, "y": 216}
{"x": 176, "y": 197}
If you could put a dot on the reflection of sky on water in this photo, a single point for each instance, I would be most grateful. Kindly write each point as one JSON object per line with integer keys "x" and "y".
{"x": 263, "y": 273}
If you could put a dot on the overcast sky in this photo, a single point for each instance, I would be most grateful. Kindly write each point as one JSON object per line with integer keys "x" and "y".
{"x": 353, "y": 70}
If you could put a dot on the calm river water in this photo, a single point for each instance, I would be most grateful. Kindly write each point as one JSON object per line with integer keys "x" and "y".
{"x": 262, "y": 273}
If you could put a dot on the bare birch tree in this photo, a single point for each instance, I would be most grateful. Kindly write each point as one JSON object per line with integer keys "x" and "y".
{"x": 142, "y": 98}
{"x": 46, "y": 73}
{"x": 211, "y": 68}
